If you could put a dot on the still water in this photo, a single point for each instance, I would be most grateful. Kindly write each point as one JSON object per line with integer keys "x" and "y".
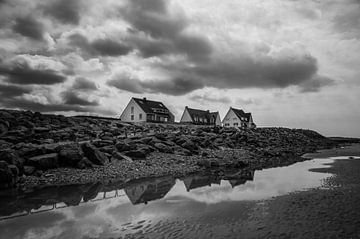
{"x": 197, "y": 206}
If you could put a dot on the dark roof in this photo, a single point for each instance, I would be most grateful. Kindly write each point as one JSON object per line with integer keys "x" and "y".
{"x": 201, "y": 113}
{"x": 242, "y": 114}
{"x": 152, "y": 107}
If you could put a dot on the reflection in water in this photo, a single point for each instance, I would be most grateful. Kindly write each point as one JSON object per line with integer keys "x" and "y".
{"x": 105, "y": 210}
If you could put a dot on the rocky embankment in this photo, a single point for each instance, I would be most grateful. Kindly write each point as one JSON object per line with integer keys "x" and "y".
{"x": 41, "y": 149}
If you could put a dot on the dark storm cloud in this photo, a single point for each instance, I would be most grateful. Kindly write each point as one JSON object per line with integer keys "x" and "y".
{"x": 102, "y": 47}
{"x": 229, "y": 73}
{"x": 177, "y": 86}
{"x": 315, "y": 84}
{"x": 84, "y": 84}
{"x": 71, "y": 98}
{"x": 65, "y": 11}
{"x": 22, "y": 73}
{"x": 207, "y": 98}
{"x": 165, "y": 31}
{"x": 29, "y": 27}
{"x": 35, "y": 106}
{"x": 9, "y": 91}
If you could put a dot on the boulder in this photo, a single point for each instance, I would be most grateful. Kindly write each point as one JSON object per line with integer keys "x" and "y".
{"x": 93, "y": 154}
{"x": 7, "y": 178}
{"x": 69, "y": 154}
{"x": 11, "y": 157}
{"x": 120, "y": 156}
{"x": 136, "y": 154}
{"x": 163, "y": 148}
{"x": 44, "y": 162}
{"x": 29, "y": 170}
{"x": 122, "y": 146}
{"x": 84, "y": 163}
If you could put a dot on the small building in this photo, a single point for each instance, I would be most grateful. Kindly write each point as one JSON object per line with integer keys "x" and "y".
{"x": 144, "y": 110}
{"x": 239, "y": 119}
{"x": 200, "y": 117}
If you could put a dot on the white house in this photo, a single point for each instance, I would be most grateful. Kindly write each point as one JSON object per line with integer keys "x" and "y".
{"x": 201, "y": 117}
{"x": 144, "y": 110}
{"x": 238, "y": 119}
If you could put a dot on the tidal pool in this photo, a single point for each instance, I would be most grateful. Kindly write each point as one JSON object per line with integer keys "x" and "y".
{"x": 196, "y": 206}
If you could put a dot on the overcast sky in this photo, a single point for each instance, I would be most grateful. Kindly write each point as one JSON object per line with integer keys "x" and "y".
{"x": 291, "y": 63}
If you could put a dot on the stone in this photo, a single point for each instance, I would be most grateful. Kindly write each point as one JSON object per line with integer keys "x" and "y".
{"x": 84, "y": 163}
{"x": 93, "y": 154}
{"x": 120, "y": 156}
{"x": 29, "y": 170}
{"x": 11, "y": 157}
{"x": 136, "y": 154}
{"x": 163, "y": 148}
{"x": 121, "y": 147}
{"x": 44, "y": 162}
{"x": 69, "y": 154}
{"x": 7, "y": 179}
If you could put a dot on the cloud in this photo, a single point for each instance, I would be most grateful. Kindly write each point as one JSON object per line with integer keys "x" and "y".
{"x": 157, "y": 29}
{"x": 315, "y": 84}
{"x": 99, "y": 47}
{"x": 210, "y": 98}
{"x": 176, "y": 86}
{"x": 29, "y": 27}
{"x": 71, "y": 98}
{"x": 65, "y": 11}
{"x": 84, "y": 84}
{"x": 22, "y": 73}
{"x": 9, "y": 91}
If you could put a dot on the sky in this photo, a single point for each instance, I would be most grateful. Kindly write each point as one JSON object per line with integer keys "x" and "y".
{"x": 290, "y": 63}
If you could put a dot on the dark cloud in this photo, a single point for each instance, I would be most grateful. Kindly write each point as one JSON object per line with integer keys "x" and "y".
{"x": 208, "y": 98}
{"x": 72, "y": 98}
{"x": 315, "y": 84}
{"x": 164, "y": 31}
{"x": 102, "y": 47}
{"x": 65, "y": 11}
{"x": 29, "y": 27}
{"x": 9, "y": 91}
{"x": 35, "y": 106}
{"x": 22, "y": 73}
{"x": 84, "y": 84}
{"x": 228, "y": 73}
{"x": 177, "y": 86}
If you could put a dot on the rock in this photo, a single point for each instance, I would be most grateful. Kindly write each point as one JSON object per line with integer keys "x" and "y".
{"x": 69, "y": 154}
{"x": 7, "y": 178}
{"x": 84, "y": 163}
{"x": 121, "y": 147}
{"x": 41, "y": 130}
{"x": 44, "y": 162}
{"x": 3, "y": 128}
{"x": 120, "y": 156}
{"x": 92, "y": 192}
{"x": 163, "y": 148}
{"x": 29, "y": 170}
{"x": 136, "y": 154}
{"x": 93, "y": 154}
{"x": 14, "y": 170}
{"x": 11, "y": 157}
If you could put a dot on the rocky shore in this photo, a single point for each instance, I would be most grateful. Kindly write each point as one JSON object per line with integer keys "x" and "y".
{"x": 40, "y": 149}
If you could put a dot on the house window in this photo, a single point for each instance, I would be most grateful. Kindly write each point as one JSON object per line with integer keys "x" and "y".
{"x": 132, "y": 109}
{"x": 226, "y": 124}
{"x": 132, "y": 117}
{"x": 236, "y": 124}
{"x": 140, "y": 116}
{"x": 166, "y": 119}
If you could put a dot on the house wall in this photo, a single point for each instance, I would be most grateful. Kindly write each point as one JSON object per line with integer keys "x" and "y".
{"x": 230, "y": 119}
{"x": 218, "y": 120}
{"x": 126, "y": 115}
{"x": 185, "y": 117}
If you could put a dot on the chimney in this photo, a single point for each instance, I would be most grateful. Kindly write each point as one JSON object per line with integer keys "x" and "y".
{"x": 144, "y": 99}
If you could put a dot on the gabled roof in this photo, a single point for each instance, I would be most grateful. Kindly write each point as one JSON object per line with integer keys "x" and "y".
{"x": 152, "y": 107}
{"x": 201, "y": 113}
{"x": 242, "y": 114}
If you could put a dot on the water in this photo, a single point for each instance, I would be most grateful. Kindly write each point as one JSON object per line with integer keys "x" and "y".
{"x": 196, "y": 206}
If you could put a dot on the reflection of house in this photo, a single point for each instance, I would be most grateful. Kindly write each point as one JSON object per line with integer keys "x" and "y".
{"x": 143, "y": 110}
{"x": 201, "y": 117}
{"x": 149, "y": 191}
{"x": 238, "y": 119}
{"x": 199, "y": 181}
{"x": 241, "y": 177}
